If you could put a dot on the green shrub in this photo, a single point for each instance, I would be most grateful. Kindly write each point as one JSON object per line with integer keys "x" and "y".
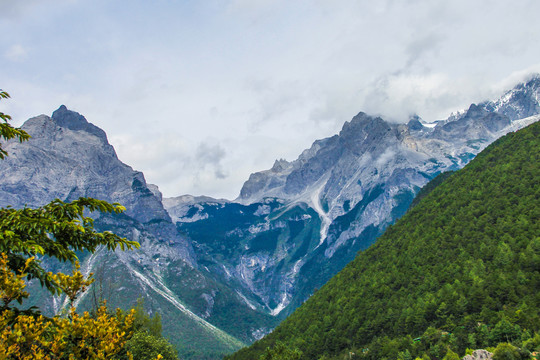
{"x": 144, "y": 345}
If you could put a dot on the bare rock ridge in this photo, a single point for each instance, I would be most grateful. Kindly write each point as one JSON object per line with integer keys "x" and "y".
{"x": 519, "y": 103}
{"x": 75, "y": 121}
{"x": 68, "y": 157}
{"x": 479, "y": 355}
{"x": 338, "y": 196}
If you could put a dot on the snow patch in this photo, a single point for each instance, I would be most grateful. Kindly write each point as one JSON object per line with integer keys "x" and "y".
{"x": 281, "y": 306}
{"x": 226, "y": 271}
{"x": 198, "y": 216}
{"x": 325, "y": 219}
{"x": 429, "y": 125}
{"x": 248, "y": 303}
{"x": 254, "y": 229}
{"x": 262, "y": 210}
{"x": 519, "y": 124}
{"x": 297, "y": 266}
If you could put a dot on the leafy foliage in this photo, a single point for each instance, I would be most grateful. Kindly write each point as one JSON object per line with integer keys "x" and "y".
{"x": 506, "y": 351}
{"x": 429, "y": 187}
{"x": 147, "y": 341}
{"x": 57, "y": 230}
{"x": 7, "y": 131}
{"x": 31, "y": 336}
{"x": 144, "y": 323}
{"x": 144, "y": 345}
{"x": 460, "y": 270}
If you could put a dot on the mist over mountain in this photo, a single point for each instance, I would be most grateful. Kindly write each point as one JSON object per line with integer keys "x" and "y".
{"x": 224, "y": 273}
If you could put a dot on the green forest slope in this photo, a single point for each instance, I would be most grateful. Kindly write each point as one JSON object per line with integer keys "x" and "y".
{"x": 460, "y": 270}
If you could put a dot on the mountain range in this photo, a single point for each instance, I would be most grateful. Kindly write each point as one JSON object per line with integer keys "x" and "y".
{"x": 461, "y": 270}
{"x": 295, "y": 225}
{"x": 224, "y": 273}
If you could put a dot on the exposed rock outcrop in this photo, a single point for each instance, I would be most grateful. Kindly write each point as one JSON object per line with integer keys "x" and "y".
{"x": 479, "y": 355}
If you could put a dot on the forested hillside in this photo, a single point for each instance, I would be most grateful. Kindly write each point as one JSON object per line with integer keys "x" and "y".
{"x": 460, "y": 270}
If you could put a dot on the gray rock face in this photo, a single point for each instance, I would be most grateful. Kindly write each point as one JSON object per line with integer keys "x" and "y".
{"x": 180, "y": 206}
{"x": 68, "y": 158}
{"x": 414, "y": 124}
{"x": 65, "y": 163}
{"x": 75, "y": 121}
{"x": 479, "y": 355}
{"x": 476, "y": 123}
{"x": 354, "y": 184}
{"x": 262, "y": 183}
{"x": 367, "y": 146}
{"x": 520, "y": 102}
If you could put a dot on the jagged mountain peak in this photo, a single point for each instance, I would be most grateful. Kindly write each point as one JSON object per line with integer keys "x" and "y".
{"x": 64, "y": 130}
{"x": 280, "y": 165}
{"x": 531, "y": 85}
{"x": 532, "y": 82}
{"x": 475, "y": 112}
{"x": 72, "y": 120}
{"x": 348, "y": 158}
{"x": 415, "y": 123}
{"x": 364, "y": 123}
{"x": 520, "y": 102}
{"x": 68, "y": 157}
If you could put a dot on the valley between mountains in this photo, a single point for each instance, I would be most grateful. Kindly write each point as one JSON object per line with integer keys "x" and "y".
{"x": 224, "y": 273}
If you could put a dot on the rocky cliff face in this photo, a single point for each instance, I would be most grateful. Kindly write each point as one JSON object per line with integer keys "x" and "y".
{"x": 298, "y": 223}
{"x": 520, "y": 102}
{"x": 68, "y": 157}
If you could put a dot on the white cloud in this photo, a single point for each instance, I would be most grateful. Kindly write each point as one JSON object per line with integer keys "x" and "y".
{"x": 16, "y": 53}
{"x": 514, "y": 78}
{"x": 13, "y": 10}
{"x": 208, "y": 156}
{"x": 399, "y": 96}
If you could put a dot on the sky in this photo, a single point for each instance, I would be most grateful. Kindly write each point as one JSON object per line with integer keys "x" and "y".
{"x": 200, "y": 94}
